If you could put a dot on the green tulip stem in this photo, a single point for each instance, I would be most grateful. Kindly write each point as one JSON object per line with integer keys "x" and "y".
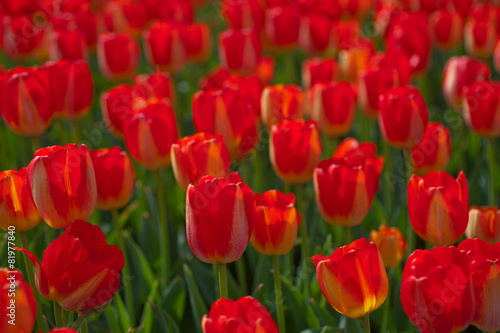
{"x": 387, "y": 187}
{"x": 59, "y": 315}
{"x": 303, "y": 230}
{"x": 366, "y": 323}
{"x": 129, "y": 296}
{"x": 85, "y": 327}
{"x": 31, "y": 280}
{"x": 347, "y": 235}
{"x": 164, "y": 235}
{"x": 387, "y": 303}
{"x": 222, "y": 269}
{"x": 80, "y": 322}
{"x": 35, "y": 143}
{"x": 492, "y": 172}
{"x": 76, "y": 131}
{"x": 411, "y": 235}
{"x": 279, "y": 294}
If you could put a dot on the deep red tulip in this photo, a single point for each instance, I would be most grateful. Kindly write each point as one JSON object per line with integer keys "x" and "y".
{"x": 17, "y": 303}
{"x": 436, "y": 290}
{"x": 484, "y": 223}
{"x": 391, "y": 244}
{"x": 175, "y": 10}
{"x": 79, "y": 271}
{"x": 481, "y": 102}
{"x": 198, "y": 42}
{"x": 403, "y": 116}
{"x": 480, "y": 33}
{"x": 241, "y": 14}
{"x": 116, "y": 105}
{"x": 433, "y": 152}
{"x": 63, "y": 184}
{"x": 439, "y": 207}
{"x": 150, "y": 132}
{"x": 115, "y": 177}
{"x": 282, "y": 25}
{"x": 118, "y": 55}
{"x": 224, "y": 111}
{"x": 156, "y": 85}
{"x": 460, "y": 72}
{"x": 124, "y": 16}
{"x": 317, "y": 70}
{"x": 314, "y": 33}
{"x": 295, "y": 150}
{"x": 345, "y": 186}
{"x": 276, "y": 222}
{"x": 20, "y": 7}
{"x": 281, "y": 102}
{"x": 16, "y": 203}
{"x": 69, "y": 45}
{"x": 21, "y": 36}
{"x": 71, "y": 87}
{"x": 485, "y": 281}
{"x": 250, "y": 88}
{"x": 219, "y": 218}
{"x": 353, "y": 279}
{"x": 164, "y": 46}
{"x": 199, "y": 155}
{"x": 333, "y": 106}
{"x": 447, "y": 28}
{"x": 27, "y": 101}
{"x": 240, "y": 50}
{"x": 243, "y": 315}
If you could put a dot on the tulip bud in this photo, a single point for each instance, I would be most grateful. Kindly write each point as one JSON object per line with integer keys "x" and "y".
{"x": 433, "y": 152}
{"x": 318, "y": 70}
{"x": 281, "y": 102}
{"x": 117, "y": 55}
{"x": 438, "y": 207}
{"x": 199, "y": 155}
{"x": 391, "y": 244}
{"x": 482, "y": 108}
{"x": 116, "y": 105}
{"x": 353, "y": 279}
{"x": 484, "y": 223}
{"x": 240, "y": 50}
{"x": 447, "y": 28}
{"x": 219, "y": 218}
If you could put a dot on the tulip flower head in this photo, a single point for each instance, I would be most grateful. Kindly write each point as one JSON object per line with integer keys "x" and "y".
{"x": 484, "y": 223}
{"x": 353, "y": 279}
{"x": 116, "y": 105}
{"x": 482, "y": 108}
{"x": 391, "y": 244}
{"x": 433, "y": 152}
{"x": 281, "y": 102}
{"x": 118, "y": 55}
{"x": 240, "y": 50}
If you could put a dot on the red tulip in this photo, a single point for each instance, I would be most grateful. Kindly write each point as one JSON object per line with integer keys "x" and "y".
{"x": 496, "y": 56}
{"x": 219, "y": 218}
{"x": 295, "y": 150}
{"x": 224, "y": 111}
{"x": 63, "y": 184}
{"x": 124, "y": 16}
{"x": 20, "y": 7}
{"x": 344, "y": 33}
{"x": 276, "y": 222}
{"x": 403, "y": 116}
{"x": 345, "y": 186}
{"x": 175, "y": 10}
{"x": 156, "y": 85}
{"x": 27, "y": 101}
{"x": 282, "y": 26}
{"x": 115, "y": 177}
{"x": 250, "y": 88}
{"x": 314, "y": 33}
{"x": 433, "y": 152}
{"x": 482, "y": 108}
{"x": 21, "y": 36}
{"x": 164, "y": 46}
{"x": 116, "y": 105}
{"x": 436, "y": 290}
{"x": 118, "y": 55}
{"x": 447, "y": 28}
{"x": 354, "y": 57}
{"x": 281, "y": 102}
{"x": 243, "y": 14}
{"x": 243, "y": 315}
{"x": 484, "y": 223}
{"x": 334, "y": 107}
{"x": 351, "y": 148}
{"x": 62, "y": 330}
{"x": 265, "y": 69}
{"x": 69, "y": 45}
{"x": 199, "y": 155}
{"x": 240, "y": 50}
{"x": 460, "y": 72}
{"x": 80, "y": 271}
{"x": 485, "y": 281}
{"x": 353, "y": 279}
{"x": 198, "y": 42}
{"x": 16, "y": 203}
{"x": 438, "y": 206}
{"x": 72, "y": 88}
{"x": 150, "y": 132}
{"x": 480, "y": 32}
{"x": 17, "y": 303}
{"x": 391, "y": 244}
{"x": 215, "y": 79}
{"x": 317, "y": 70}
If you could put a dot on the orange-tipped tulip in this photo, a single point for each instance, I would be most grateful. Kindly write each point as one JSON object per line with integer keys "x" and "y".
{"x": 150, "y": 132}
{"x": 276, "y": 222}
{"x": 447, "y": 28}
{"x": 482, "y": 108}
{"x": 199, "y": 155}
{"x": 219, "y": 218}
{"x": 115, "y": 177}
{"x": 240, "y": 50}
{"x": 17, "y": 304}
{"x": 117, "y": 55}
{"x": 480, "y": 33}
{"x": 80, "y": 271}
{"x": 116, "y": 105}
{"x": 438, "y": 206}
{"x": 63, "y": 184}
{"x": 281, "y": 102}
{"x": 484, "y": 223}
{"x": 353, "y": 279}
{"x": 16, "y": 203}
{"x": 295, "y": 150}
{"x": 433, "y": 152}
{"x": 391, "y": 244}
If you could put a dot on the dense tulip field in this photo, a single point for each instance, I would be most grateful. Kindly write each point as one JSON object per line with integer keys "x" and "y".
{"x": 249, "y": 166}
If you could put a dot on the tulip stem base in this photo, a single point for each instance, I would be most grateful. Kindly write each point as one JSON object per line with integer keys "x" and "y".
{"x": 59, "y": 315}
{"x": 164, "y": 235}
{"x": 35, "y": 143}
{"x": 129, "y": 296}
{"x": 492, "y": 172}
{"x": 347, "y": 235}
{"x": 76, "y": 132}
{"x": 366, "y": 323}
{"x": 31, "y": 280}
{"x": 279, "y": 294}
{"x": 222, "y": 272}
{"x": 303, "y": 229}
